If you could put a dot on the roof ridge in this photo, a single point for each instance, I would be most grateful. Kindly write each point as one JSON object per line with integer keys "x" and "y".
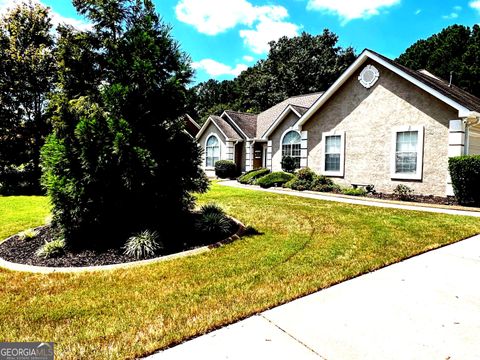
{"x": 240, "y": 112}
{"x": 302, "y": 95}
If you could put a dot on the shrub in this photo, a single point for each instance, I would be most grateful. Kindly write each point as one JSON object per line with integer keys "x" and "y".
{"x": 465, "y": 173}
{"x": 324, "y": 184}
{"x": 354, "y": 192}
{"x": 28, "y": 234}
{"x": 142, "y": 245}
{"x": 274, "y": 179}
{"x": 51, "y": 249}
{"x": 302, "y": 181}
{"x": 225, "y": 169}
{"x": 251, "y": 176}
{"x": 211, "y": 208}
{"x": 288, "y": 164}
{"x": 403, "y": 192}
{"x": 214, "y": 223}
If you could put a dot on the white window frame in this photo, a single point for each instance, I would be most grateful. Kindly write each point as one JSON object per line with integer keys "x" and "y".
{"x": 341, "y": 172}
{"x": 281, "y": 145}
{"x": 407, "y": 176}
{"x": 219, "y": 150}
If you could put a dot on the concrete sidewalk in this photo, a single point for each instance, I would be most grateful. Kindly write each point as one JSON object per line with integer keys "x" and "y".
{"x": 356, "y": 201}
{"x": 427, "y": 307}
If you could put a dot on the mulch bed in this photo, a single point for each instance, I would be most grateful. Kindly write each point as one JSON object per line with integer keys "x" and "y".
{"x": 425, "y": 199}
{"x": 21, "y": 251}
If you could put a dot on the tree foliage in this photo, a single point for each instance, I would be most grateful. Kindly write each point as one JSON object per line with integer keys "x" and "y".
{"x": 27, "y": 70}
{"x": 456, "y": 50}
{"x": 294, "y": 66}
{"x": 118, "y": 161}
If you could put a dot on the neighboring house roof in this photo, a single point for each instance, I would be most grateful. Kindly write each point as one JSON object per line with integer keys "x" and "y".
{"x": 457, "y": 98}
{"x": 267, "y": 118}
{"x": 223, "y": 126}
{"x": 246, "y": 123}
{"x": 191, "y": 125}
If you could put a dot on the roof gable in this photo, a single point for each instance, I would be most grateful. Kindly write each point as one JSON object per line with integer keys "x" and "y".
{"x": 461, "y": 100}
{"x": 245, "y": 123}
{"x": 223, "y": 126}
{"x": 297, "y": 110}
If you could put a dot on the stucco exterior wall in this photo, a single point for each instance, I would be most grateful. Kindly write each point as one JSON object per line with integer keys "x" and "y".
{"x": 212, "y": 129}
{"x": 276, "y": 138}
{"x": 368, "y": 117}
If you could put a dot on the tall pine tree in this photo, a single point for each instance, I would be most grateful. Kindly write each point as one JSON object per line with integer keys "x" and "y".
{"x": 119, "y": 160}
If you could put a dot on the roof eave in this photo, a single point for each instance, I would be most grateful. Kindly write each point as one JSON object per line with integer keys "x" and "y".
{"x": 366, "y": 54}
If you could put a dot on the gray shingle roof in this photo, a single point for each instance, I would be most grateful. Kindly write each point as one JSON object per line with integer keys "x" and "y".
{"x": 268, "y": 117}
{"x": 246, "y": 122}
{"x": 227, "y": 129}
{"x": 453, "y": 92}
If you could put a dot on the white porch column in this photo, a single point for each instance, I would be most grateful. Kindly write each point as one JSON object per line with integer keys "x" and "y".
{"x": 230, "y": 151}
{"x": 269, "y": 155}
{"x": 456, "y": 146}
{"x": 248, "y": 156}
{"x": 304, "y": 150}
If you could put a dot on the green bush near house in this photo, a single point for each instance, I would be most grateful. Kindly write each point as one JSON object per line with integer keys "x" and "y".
{"x": 403, "y": 192}
{"x": 354, "y": 192}
{"x": 225, "y": 169}
{"x": 274, "y": 179}
{"x": 251, "y": 176}
{"x": 465, "y": 174}
{"x": 288, "y": 164}
{"x": 306, "y": 179}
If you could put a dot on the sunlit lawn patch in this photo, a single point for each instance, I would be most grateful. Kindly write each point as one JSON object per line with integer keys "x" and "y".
{"x": 306, "y": 245}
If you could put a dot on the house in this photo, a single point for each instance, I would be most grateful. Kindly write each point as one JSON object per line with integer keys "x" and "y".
{"x": 191, "y": 126}
{"x": 240, "y": 136}
{"x": 380, "y": 123}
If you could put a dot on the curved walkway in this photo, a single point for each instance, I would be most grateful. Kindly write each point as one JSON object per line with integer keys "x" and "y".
{"x": 359, "y": 201}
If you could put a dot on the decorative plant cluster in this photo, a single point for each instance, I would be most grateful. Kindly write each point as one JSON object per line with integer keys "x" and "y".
{"x": 213, "y": 220}
{"x": 403, "y": 192}
{"x": 250, "y": 177}
{"x": 143, "y": 245}
{"x": 52, "y": 248}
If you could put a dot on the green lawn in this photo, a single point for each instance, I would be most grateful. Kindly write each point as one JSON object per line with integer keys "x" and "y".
{"x": 307, "y": 245}
{"x": 18, "y": 213}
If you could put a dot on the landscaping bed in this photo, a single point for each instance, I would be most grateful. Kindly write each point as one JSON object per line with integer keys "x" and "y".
{"x": 24, "y": 251}
{"x": 424, "y": 199}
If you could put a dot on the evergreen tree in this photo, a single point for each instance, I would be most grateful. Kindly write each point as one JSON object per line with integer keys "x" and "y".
{"x": 27, "y": 70}
{"x": 119, "y": 161}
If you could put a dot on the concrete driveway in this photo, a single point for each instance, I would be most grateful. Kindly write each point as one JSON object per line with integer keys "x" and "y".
{"x": 427, "y": 307}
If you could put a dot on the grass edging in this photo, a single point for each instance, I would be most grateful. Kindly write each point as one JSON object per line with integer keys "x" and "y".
{"x": 50, "y": 270}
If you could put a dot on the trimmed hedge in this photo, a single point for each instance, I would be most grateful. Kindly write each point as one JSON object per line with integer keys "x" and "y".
{"x": 465, "y": 173}
{"x": 306, "y": 179}
{"x": 274, "y": 179}
{"x": 225, "y": 169}
{"x": 251, "y": 176}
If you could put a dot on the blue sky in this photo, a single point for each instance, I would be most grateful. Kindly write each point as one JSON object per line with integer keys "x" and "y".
{"x": 223, "y": 37}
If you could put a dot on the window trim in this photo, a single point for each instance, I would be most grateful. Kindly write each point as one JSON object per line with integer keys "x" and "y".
{"x": 281, "y": 145}
{"x": 219, "y": 150}
{"x": 341, "y": 172}
{"x": 418, "y": 175}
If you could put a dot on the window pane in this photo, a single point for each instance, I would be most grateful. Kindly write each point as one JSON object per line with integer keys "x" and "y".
{"x": 332, "y": 145}
{"x": 406, "y": 152}
{"x": 212, "y": 141}
{"x": 332, "y": 162}
{"x": 291, "y": 138}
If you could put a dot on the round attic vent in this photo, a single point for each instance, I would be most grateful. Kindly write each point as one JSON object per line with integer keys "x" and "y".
{"x": 369, "y": 76}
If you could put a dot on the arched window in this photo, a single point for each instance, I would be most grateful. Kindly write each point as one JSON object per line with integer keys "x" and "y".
{"x": 212, "y": 151}
{"x": 291, "y": 144}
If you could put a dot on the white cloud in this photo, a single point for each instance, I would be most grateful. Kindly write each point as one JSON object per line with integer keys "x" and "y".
{"x": 262, "y": 24}
{"x": 418, "y": 11}
{"x": 57, "y": 19}
{"x": 215, "y": 68}
{"x": 475, "y": 5}
{"x": 267, "y": 30}
{"x": 248, "y": 58}
{"x": 351, "y": 9}
{"x": 452, "y": 15}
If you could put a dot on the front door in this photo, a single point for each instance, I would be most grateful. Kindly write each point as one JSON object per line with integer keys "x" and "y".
{"x": 258, "y": 155}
